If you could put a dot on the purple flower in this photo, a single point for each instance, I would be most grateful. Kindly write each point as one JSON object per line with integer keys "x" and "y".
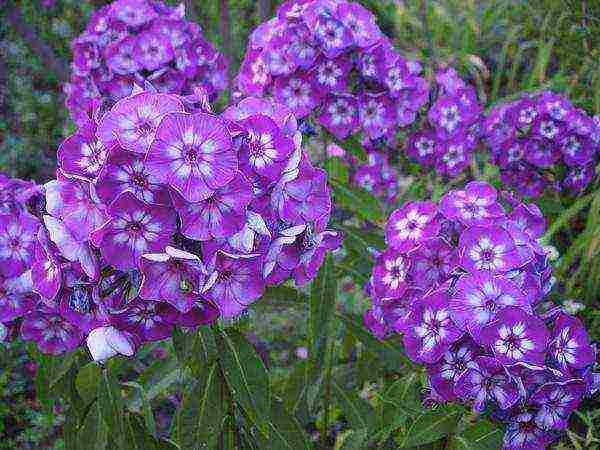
{"x": 376, "y": 114}
{"x": 193, "y": 154}
{"x": 569, "y": 344}
{"x": 487, "y": 380}
{"x": 18, "y": 234}
{"x": 339, "y": 115}
{"x": 479, "y": 297}
{"x": 220, "y": 215}
{"x": 475, "y": 205}
{"x": 82, "y": 154}
{"x": 16, "y": 296}
{"x": 460, "y": 357}
{"x": 488, "y": 248}
{"x": 265, "y": 147}
{"x": 127, "y": 172}
{"x": 433, "y": 262}
{"x": 390, "y": 274}
{"x": 410, "y": 226}
{"x": 152, "y": 50}
{"x": 515, "y": 336}
{"x": 52, "y": 333}
{"x": 133, "y": 121}
{"x": 237, "y": 282}
{"x": 76, "y": 204}
{"x": 429, "y": 330}
{"x": 145, "y": 319}
{"x": 134, "y": 228}
{"x": 176, "y": 276}
{"x": 556, "y": 402}
{"x": 523, "y": 433}
{"x": 297, "y": 94}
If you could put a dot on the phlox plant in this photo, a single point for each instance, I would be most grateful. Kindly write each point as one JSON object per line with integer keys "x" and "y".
{"x": 466, "y": 284}
{"x": 130, "y": 41}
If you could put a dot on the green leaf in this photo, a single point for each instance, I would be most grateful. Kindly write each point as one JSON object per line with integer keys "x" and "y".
{"x": 389, "y": 353}
{"x": 482, "y": 435}
{"x": 87, "y": 381}
{"x": 321, "y": 309}
{"x": 93, "y": 433}
{"x": 354, "y": 146}
{"x": 146, "y": 407}
{"x": 246, "y": 376}
{"x": 355, "y": 440}
{"x": 400, "y": 401}
{"x": 359, "y": 413}
{"x": 358, "y": 201}
{"x": 282, "y": 297}
{"x": 111, "y": 408}
{"x": 199, "y": 418}
{"x": 430, "y": 426}
{"x": 284, "y": 431}
{"x": 155, "y": 380}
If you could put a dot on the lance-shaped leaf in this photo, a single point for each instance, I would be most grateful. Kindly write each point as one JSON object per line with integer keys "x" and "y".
{"x": 284, "y": 431}
{"x": 482, "y": 435}
{"x": 358, "y": 201}
{"x": 200, "y": 416}
{"x": 321, "y": 311}
{"x": 359, "y": 413}
{"x": 246, "y": 376}
{"x": 430, "y": 426}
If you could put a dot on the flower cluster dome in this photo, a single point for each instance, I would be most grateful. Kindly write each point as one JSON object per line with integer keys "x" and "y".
{"x": 131, "y": 41}
{"x": 447, "y": 142}
{"x": 465, "y": 282}
{"x": 165, "y": 214}
{"x": 328, "y": 58}
{"x": 542, "y": 140}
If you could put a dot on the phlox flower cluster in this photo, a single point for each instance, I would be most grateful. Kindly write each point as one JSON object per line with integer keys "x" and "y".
{"x": 327, "y": 59}
{"x": 447, "y": 142}
{"x": 131, "y": 41}
{"x": 163, "y": 214}
{"x": 542, "y": 141}
{"x": 377, "y": 176}
{"x": 464, "y": 281}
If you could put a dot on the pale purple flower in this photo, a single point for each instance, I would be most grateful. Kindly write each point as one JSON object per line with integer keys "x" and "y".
{"x": 75, "y": 202}
{"x": 487, "y": 381}
{"x": 569, "y": 345}
{"x": 296, "y": 92}
{"x": 479, "y": 297}
{"x": 339, "y": 115}
{"x": 176, "y": 276}
{"x": 127, "y": 172}
{"x": 237, "y": 282}
{"x": 152, "y": 50}
{"x": 132, "y": 12}
{"x": 265, "y": 146}
{"x": 429, "y": 330}
{"x": 376, "y": 114}
{"x": 16, "y": 296}
{"x": 220, "y": 215}
{"x": 82, "y": 154}
{"x": 515, "y": 336}
{"x": 133, "y": 121}
{"x": 475, "y": 205}
{"x": 52, "y": 333}
{"x": 18, "y": 234}
{"x": 134, "y": 228}
{"x": 193, "y": 154}
{"x": 488, "y": 248}
{"x": 411, "y": 225}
